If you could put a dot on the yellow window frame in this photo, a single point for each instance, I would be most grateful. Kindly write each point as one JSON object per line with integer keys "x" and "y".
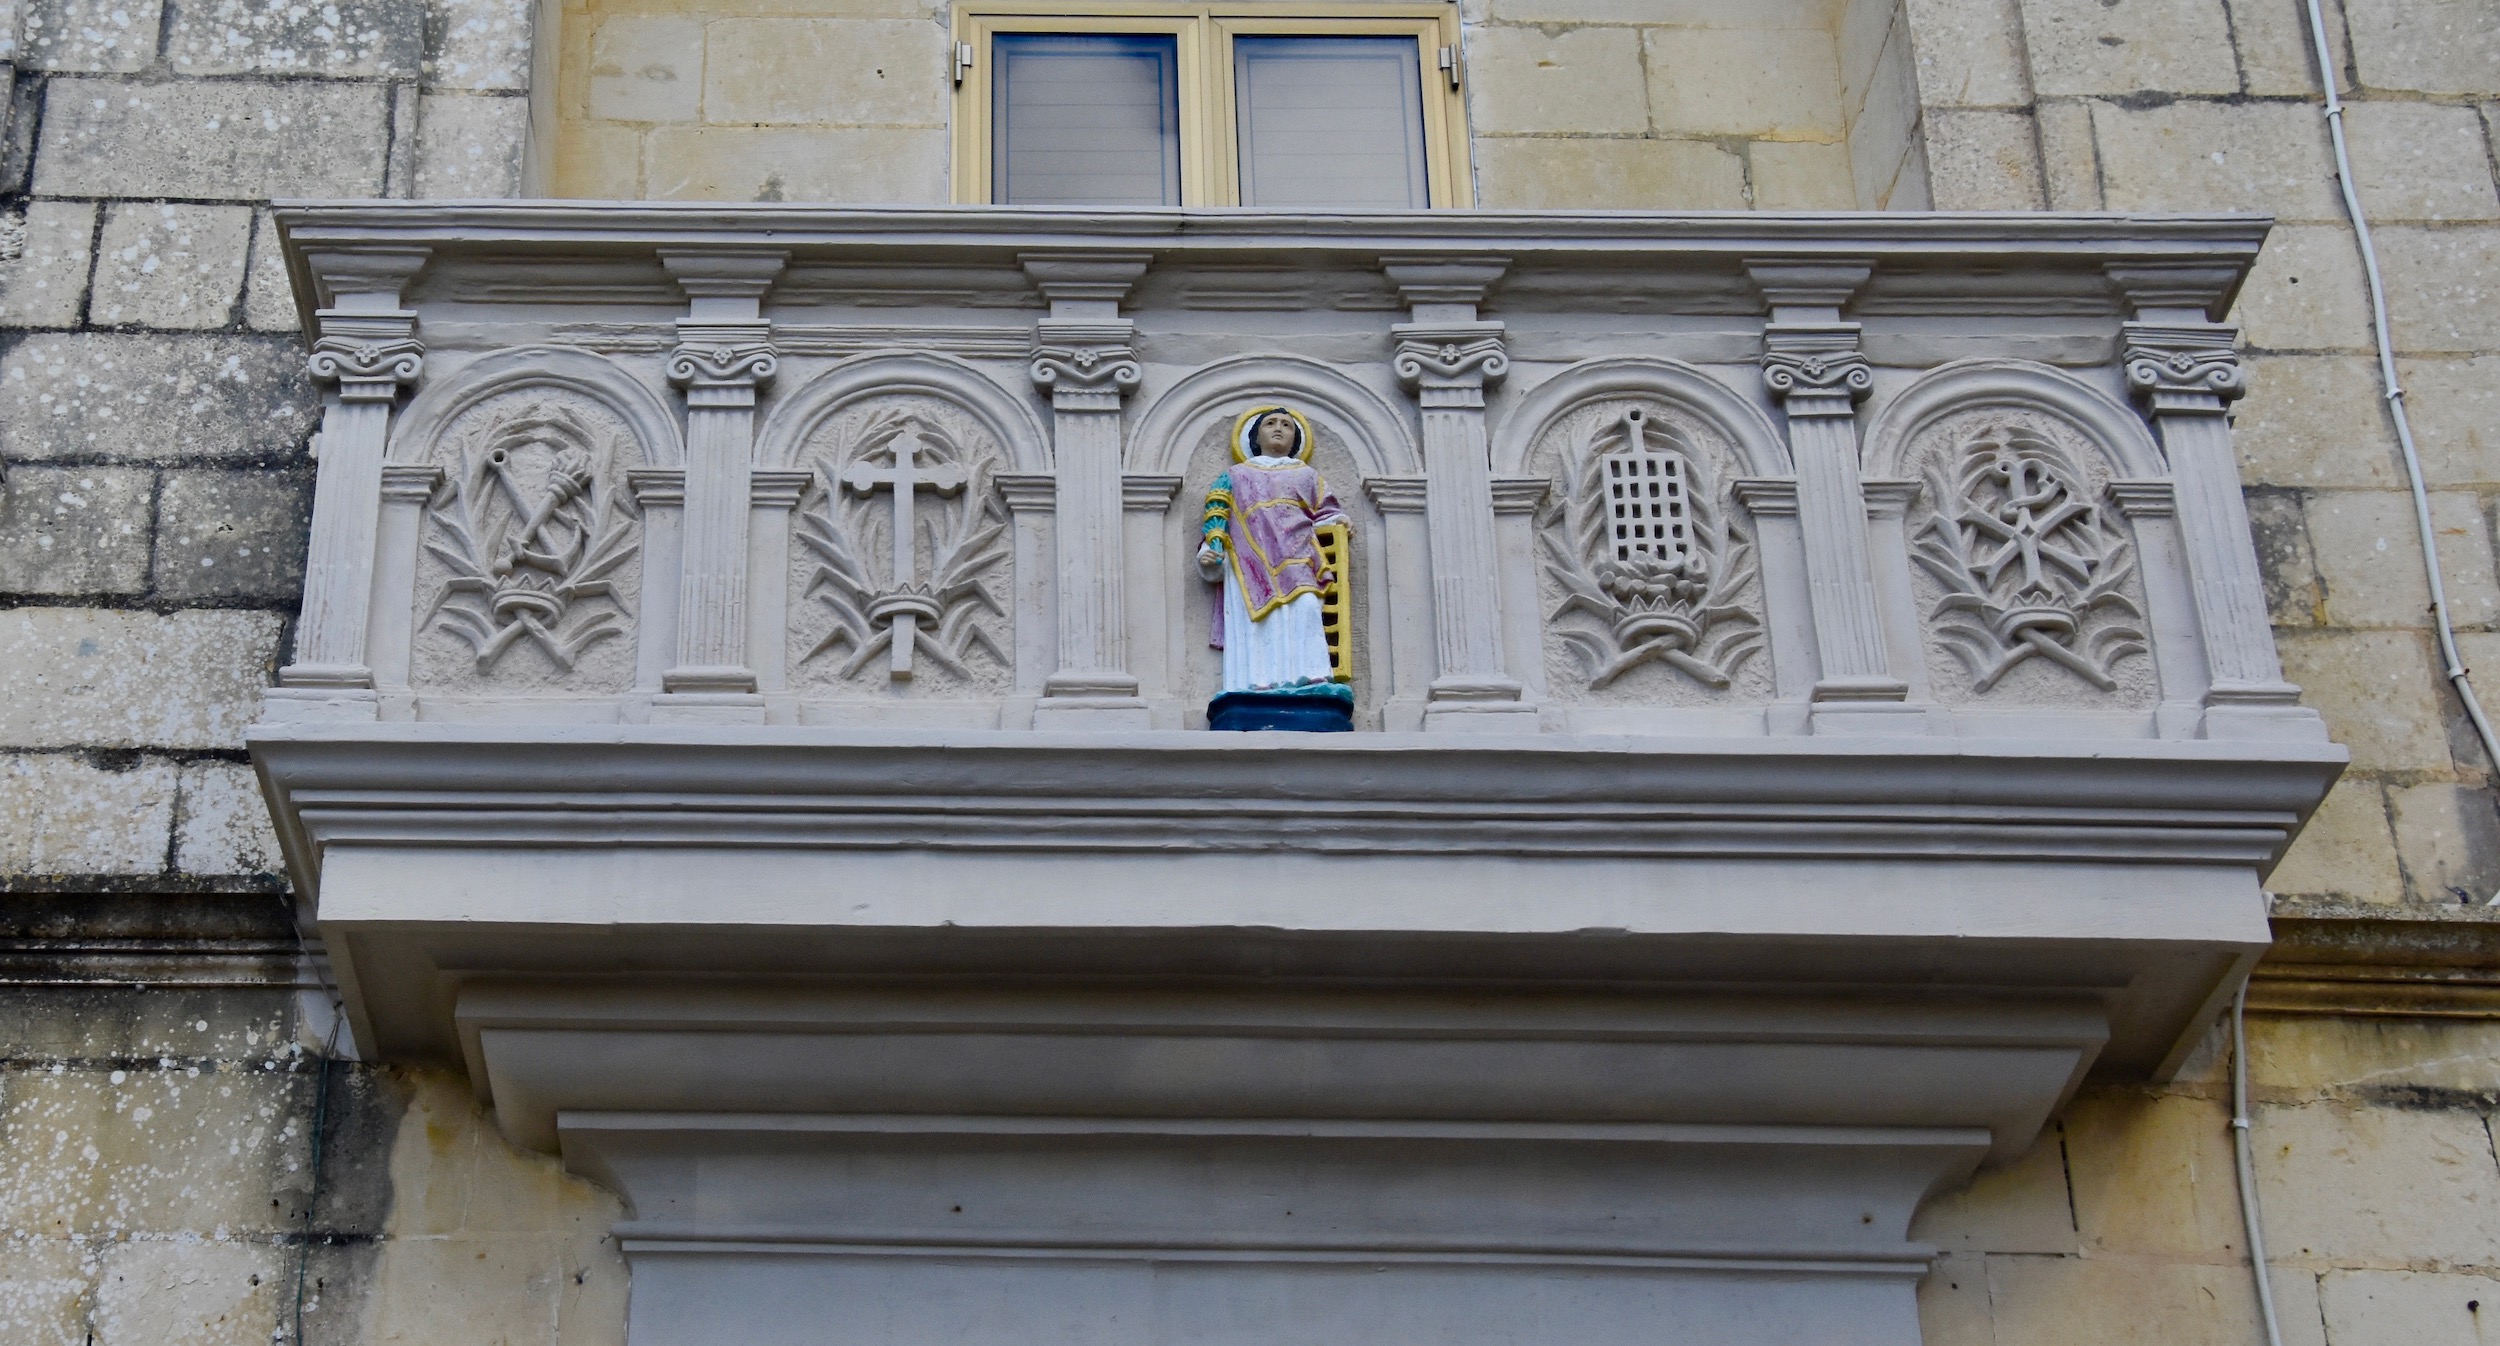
{"x": 1210, "y": 143}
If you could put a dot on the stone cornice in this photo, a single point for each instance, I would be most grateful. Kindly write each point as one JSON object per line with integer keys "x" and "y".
{"x": 2375, "y": 961}
{"x": 1916, "y": 259}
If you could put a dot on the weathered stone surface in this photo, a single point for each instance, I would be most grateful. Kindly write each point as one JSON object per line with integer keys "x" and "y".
{"x": 2306, "y": 293}
{"x": 133, "y": 396}
{"x": 1797, "y": 175}
{"x": 2294, "y": 595}
{"x": 1712, "y": 82}
{"x": 54, "y": 1025}
{"x": 478, "y": 44}
{"x": 845, "y": 72}
{"x": 2425, "y": 46}
{"x": 473, "y": 1212}
{"x": 471, "y": 146}
{"x": 1983, "y": 160}
{"x": 212, "y": 140}
{"x": 170, "y": 266}
{"x": 1886, "y": 162}
{"x": 1540, "y": 174}
{"x": 268, "y": 297}
{"x": 230, "y": 535}
{"x": 2266, "y": 157}
{"x": 253, "y": 37}
{"x": 599, "y": 159}
{"x": 1664, "y": 13}
{"x": 112, "y": 1151}
{"x": 2369, "y": 554}
{"x": 2408, "y": 1308}
{"x": 647, "y": 68}
{"x": 1970, "y": 53}
{"x": 46, "y": 1291}
{"x": 2421, "y": 161}
{"x": 1869, "y": 37}
{"x": 2443, "y": 287}
{"x": 2347, "y": 850}
{"x": 88, "y": 35}
{"x": 2057, "y": 1301}
{"x": 2276, "y": 54}
{"x": 213, "y": 1292}
{"x": 2152, "y": 1174}
{"x": 71, "y": 677}
{"x": 2068, "y": 157}
{"x": 2316, "y": 420}
{"x": 2378, "y": 1184}
{"x": 2130, "y": 46}
{"x": 1584, "y": 81}
{"x": 2020, "y": 1208}
{"x": 2296, "y": 1057}
{"x": 62, "y": 815}
{"x": 2455, "y": 408}
{"x": 74, "y": 530}
{"x": 717, "y": 163}
{"x": 2377, "y": 692}
{"x": 44, "y": 284}
{"x": 2450, "y": 838}
{"x": 224, "y": 826}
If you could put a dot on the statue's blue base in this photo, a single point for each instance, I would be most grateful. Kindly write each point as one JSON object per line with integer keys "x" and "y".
{"x": 1320, "y": 711}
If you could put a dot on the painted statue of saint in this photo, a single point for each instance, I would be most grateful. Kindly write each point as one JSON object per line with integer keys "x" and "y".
{"x": 1261, "y": 540}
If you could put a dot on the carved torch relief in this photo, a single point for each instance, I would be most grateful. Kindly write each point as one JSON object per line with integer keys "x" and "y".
{"x": 2028, "y": 577}
{"x": 1275, "y": 541}
{"x": 902, "y": 552}
{"x": 529, "y": 546}
{"x": 1645, "y": 567}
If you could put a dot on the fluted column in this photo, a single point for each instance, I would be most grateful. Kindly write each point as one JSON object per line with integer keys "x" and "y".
{"x": 1446, "y": 356}
{"x": 1811, "y": 363}
{"x": 365, "y": 348}
{"x": 2186, "y": 373}
{"x": 724, "y": 356}
{"x": 1083, "y": 360}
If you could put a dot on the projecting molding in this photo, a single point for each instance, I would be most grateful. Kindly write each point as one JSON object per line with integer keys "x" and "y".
{"x": 750, "y": 714}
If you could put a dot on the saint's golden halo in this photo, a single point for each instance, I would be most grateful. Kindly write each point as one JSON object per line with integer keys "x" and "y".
{"x": 1241, "y": 432}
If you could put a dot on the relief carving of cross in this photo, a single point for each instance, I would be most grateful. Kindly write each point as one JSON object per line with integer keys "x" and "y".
{"x": 906, "y": 478}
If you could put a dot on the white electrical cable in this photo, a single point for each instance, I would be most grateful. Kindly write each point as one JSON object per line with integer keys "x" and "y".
{"x": 2241, "y": 1147}
{"x": 2453, "y": 664}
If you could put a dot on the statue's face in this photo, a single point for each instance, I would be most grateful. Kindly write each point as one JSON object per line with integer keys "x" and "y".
{"x": 1275, "y": 435}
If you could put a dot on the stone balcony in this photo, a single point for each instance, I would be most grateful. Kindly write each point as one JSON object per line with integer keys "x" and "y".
{"x": 885, "y": 924}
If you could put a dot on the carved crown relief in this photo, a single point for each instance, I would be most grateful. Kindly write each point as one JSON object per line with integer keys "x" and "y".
{"x": 530, "y": 550}
{"x": 2026, "y": 575}
{"x": 1649, "y": 582}
{"x": 902, "y": 569}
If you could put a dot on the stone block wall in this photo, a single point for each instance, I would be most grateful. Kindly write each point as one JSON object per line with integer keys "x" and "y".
{"x": 158, "y": 1087}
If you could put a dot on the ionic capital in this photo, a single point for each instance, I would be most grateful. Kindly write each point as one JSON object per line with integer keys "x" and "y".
{"x": 2191, "y": 367}
{"x": 367, "y": 368}
{"x": 719, "y": 367}
{"x": 1086, "y": 365}
{"x": 1815, "y": 367}
{"x": 1449, "y": 365}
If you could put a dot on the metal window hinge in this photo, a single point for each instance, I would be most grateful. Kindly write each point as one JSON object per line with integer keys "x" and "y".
{"x": 1449, "y": 64}
{"x": 963, "y": 60}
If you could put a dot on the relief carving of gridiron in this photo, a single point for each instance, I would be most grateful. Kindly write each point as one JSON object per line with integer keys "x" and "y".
{"x": 531, "y": 533}
{"x": 1638, "y": 541}
{"x": 2029, "y": 564}
{"x": 906, "y": 480}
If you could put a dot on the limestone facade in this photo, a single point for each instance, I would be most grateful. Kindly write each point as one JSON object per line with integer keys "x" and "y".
{"x": 155, "y": 420}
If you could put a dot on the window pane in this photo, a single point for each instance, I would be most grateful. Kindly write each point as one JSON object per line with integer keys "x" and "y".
{"x": 1330, "y": 121}
{"x": 1086, "y": 119}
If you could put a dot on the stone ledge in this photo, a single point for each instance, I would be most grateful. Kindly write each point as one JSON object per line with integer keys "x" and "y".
{"x": 2358, "y": 959}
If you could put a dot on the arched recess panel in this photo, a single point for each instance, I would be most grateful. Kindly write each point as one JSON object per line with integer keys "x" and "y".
{"x": 527, "y": 549}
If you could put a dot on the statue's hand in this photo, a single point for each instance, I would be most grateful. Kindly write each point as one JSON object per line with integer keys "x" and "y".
{"x": 1210, "y": 563}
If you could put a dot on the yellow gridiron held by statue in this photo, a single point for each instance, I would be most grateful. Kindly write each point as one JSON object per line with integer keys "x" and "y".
{"x": 1336, "y": 556}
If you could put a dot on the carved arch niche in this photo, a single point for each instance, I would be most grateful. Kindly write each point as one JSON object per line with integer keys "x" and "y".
{"x": 1664, "y": 550}
{"x": 2027, "y": 521}
{"x": 514, "y": 541}
{"x": 895, "y": 492}
{"x": 1365, "y": 453}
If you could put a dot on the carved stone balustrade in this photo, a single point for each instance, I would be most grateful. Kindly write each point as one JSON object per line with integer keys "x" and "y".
{"x": 1814, "y": 706}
